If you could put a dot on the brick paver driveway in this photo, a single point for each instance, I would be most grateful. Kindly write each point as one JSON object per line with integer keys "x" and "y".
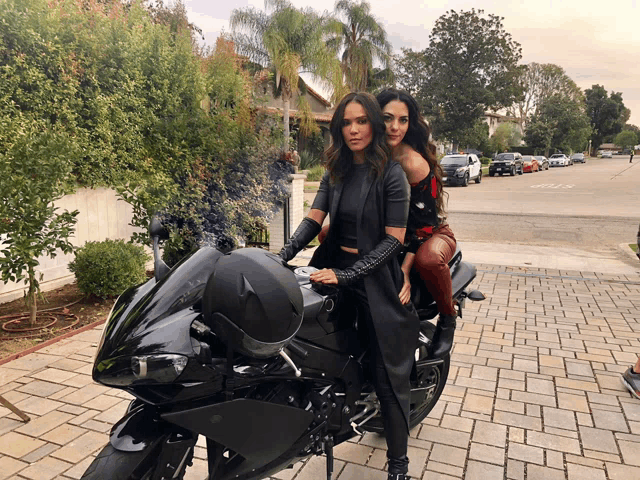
{"x": 534, "y": 393}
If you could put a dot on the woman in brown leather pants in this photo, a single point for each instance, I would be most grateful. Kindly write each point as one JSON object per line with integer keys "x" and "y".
{"x": 431, "y": 243}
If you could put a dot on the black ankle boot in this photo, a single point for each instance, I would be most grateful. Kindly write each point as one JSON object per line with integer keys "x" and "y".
{"x": 443, "y": 336}
{"x": 398, "y": 476}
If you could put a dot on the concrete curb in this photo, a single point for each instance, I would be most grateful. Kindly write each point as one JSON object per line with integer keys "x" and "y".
{"x": 624, "y": 248}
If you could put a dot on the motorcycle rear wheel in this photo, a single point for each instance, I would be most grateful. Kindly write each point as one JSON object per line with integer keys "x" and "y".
{"x": 116, "y": 465}
{"x": 433, "y": 375}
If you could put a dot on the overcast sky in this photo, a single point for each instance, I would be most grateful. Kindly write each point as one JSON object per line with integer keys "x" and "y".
{"x": 596, "y": 42}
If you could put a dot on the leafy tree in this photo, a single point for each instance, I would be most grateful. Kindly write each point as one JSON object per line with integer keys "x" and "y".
{"x": 538, "y": 134}
{"x": 34, "y": 172}
{"x": 409, "y": 69}
{"x": 506, "y": 135}
{"x": 634, "y": 129}
{"x": 561, "y": 124}
{"x": 607, "y": 113}
{"x": 476, "y": 137}
{"x": 380, "y": 78}
{"x": 469, "y": 67}
{"x": 626, "y": 139}
{"x": 539, "y": 82}
{"x": 362, "y": 39}
{"x": 289, "y": 40}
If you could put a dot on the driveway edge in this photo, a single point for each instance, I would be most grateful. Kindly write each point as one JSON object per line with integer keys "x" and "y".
{"x": 35, "y": 348}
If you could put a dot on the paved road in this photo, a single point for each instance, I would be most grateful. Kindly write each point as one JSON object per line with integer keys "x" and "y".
{"x": 591, "y": 207}
{"x": 601, "y": 187}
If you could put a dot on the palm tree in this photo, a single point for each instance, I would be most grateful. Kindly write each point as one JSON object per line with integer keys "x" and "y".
{"x": 362, "y": 39}
{"x": 290, "y": 41}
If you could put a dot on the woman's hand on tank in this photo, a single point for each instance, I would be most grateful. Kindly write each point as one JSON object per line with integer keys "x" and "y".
{"x": 326, "y": 276}
{"x": 405, "y": 292}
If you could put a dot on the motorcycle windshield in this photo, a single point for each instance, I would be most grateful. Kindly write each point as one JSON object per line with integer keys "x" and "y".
{"x": 155, "y": 317}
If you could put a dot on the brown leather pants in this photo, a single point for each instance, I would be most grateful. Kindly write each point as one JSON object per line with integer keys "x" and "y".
{"x": 432, "y": 262}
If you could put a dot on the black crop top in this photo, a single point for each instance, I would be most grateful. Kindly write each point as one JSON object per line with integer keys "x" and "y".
{"x": 349, "y": 205}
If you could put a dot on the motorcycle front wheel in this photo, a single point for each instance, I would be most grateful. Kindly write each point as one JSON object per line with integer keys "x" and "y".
{"x": 113, "y": 464}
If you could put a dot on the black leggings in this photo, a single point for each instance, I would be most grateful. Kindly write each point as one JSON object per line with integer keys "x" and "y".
{"x": 395, "y": 425}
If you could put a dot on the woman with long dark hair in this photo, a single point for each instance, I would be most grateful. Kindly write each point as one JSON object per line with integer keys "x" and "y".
{"x": 431, "y": 243}
{"x": 366, "y": 194}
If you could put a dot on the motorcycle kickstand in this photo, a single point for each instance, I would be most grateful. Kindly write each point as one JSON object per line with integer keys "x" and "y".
{"x": 328, "y": 450}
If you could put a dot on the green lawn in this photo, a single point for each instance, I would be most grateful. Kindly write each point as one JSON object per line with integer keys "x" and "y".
{"x": 634, "y": 247}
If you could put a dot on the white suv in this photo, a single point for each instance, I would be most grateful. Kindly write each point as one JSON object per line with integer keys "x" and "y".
{"x": 460, "y": 169}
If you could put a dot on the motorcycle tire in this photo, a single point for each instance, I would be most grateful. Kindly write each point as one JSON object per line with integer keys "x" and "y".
{"x": 113, "y": 464}
{"x": 420, "y": 411}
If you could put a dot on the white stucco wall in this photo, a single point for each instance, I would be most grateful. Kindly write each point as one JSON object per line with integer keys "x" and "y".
{"x": 102, "y": 215}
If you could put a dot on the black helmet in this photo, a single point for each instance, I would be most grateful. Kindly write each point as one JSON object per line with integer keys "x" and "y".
{"x": 253, "y": 302}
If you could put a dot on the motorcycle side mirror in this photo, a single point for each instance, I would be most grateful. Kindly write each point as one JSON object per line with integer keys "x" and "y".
{"x": 476, "y": 296}
{"x": 156, "y": 229}
{"x": 158, "y": 232}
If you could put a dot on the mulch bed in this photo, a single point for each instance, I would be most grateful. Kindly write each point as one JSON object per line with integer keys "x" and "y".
{"x": 60, "y": 312}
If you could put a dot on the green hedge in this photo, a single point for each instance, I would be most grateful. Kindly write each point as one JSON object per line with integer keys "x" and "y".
{"x": 106, "y": 269}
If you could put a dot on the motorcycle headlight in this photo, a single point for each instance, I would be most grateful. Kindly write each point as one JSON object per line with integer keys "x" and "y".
{"x": 141, "y": 369}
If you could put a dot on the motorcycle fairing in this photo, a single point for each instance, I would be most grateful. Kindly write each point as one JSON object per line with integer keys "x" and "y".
{"x": 258, "y": 431}
{"x": 159, "y": 307}
{"x": 138, "y": 429}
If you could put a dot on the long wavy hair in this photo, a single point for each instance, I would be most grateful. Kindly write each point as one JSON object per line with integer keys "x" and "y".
{"x": 418, "y": 137}
{"x": 339, "y": 157}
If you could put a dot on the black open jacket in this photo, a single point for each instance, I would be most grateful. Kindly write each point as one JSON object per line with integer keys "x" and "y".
{"x": 396, "y": 325}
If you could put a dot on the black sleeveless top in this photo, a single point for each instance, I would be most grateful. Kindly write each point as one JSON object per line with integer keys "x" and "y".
{"x": 423, "y": 213}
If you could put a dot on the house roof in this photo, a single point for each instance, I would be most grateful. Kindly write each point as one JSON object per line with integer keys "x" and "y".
{"x": 318, "y": 97}
{"x": 608, "y": 146}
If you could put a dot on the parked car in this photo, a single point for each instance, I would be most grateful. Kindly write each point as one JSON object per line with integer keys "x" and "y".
{"x": 578, "y": 157}
{"x": 460, "y": 169}
{"x": 607, "y": 155}
{"x": 558, "y": 160}
{"x": 543, "y": 162}
{"x": 530, "y": 164}
{"x": 510, "y": 163}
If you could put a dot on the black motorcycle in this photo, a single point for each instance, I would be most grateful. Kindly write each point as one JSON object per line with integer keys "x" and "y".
{"x": 262, "y": 405}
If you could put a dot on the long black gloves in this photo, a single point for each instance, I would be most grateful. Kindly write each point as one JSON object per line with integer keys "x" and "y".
{"x": 387, "y": 249}
{"x": 306, "y": 231}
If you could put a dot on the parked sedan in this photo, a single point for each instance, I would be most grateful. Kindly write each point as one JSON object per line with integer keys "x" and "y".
{"x": 578, "y": 157}
{"x": 543, "y": 162}
{"x": 607, "y": 155}
{"x": 558, "y": 160}
{"x": 530, "y": 164}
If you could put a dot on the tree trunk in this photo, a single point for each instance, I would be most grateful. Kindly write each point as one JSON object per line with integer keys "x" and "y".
{"x": 31, "y": 299}
{"x": 285, "y": 113}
